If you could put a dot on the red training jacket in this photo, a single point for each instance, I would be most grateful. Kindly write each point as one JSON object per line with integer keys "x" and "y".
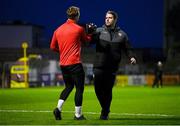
{"x": 67, "y": 41}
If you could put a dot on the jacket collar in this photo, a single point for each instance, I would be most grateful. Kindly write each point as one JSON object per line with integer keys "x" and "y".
{"x": 116, "y": 28}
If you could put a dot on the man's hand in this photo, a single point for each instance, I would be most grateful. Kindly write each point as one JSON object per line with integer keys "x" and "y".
{"x": 90, "y": 27}
{"x": 133, "y": 60}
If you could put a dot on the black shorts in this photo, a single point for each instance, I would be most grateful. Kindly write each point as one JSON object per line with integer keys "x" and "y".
{"x": 75, "y": 69}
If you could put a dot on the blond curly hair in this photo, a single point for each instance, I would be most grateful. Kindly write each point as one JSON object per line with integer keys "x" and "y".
{"x": 73, "y": 12}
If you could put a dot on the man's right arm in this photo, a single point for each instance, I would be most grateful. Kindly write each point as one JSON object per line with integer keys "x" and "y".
{"x": 85, "y": 37}
{"x": 89, "y": 31}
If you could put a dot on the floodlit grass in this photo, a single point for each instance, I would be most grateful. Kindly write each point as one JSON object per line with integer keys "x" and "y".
{"x": 130, "y": 106}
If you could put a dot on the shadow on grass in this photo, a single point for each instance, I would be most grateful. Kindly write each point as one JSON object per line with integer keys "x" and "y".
{"x": 145, "y": 121}
{"x": 174, "y": 118}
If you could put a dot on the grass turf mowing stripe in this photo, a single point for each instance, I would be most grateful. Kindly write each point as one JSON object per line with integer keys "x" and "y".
{"x": 91, "y": 113}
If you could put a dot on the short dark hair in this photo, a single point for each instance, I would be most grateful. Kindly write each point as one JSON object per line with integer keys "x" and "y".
{"x": 73, "y": 12}
{"x": 115, "y": 15}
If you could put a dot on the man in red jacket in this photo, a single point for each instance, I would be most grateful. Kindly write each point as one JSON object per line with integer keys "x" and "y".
{"x": 67, "y": 41}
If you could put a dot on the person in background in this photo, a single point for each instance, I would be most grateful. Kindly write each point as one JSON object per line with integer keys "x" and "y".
{"x": 158, "y": 72}
{"x": 67, "y": 40}
{"x": 110, "y": 41}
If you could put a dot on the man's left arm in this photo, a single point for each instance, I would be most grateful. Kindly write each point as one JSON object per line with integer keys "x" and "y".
{"x": 129, "y": 51}
{"x": 54, "y": 44}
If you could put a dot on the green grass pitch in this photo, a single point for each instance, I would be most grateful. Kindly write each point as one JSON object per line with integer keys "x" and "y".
{"x": 130, "y": 106}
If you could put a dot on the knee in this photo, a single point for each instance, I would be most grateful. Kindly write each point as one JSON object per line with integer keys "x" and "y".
{"x": 80, "y": 89}
{"x": 69, "y": 88}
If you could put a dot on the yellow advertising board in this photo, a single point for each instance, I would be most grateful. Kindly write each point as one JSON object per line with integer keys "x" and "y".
{"x": 121, "y": 80}
{"x": 171, "y": 79}
{"x": 167, "y": 79}
{"x": 149, "y": 79}
{"x": 18, "y": 73}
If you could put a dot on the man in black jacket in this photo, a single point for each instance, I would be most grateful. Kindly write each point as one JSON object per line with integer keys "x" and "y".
{"x": 158, "y": 75}
{"x": 110, "y": 41}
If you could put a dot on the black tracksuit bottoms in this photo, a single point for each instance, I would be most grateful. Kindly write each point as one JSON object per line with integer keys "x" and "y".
{"x": 103, "y": 83}
{"x": 73, "y": 75}
{"x": 157, "y": 80}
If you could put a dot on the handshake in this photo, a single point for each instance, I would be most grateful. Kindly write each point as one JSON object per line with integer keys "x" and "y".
{"x": 89, "y": 27}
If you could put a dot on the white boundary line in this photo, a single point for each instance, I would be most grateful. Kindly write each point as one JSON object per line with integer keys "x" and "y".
{"x": 91, "y": 113}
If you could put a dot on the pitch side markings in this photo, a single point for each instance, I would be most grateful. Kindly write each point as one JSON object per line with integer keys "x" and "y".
{"x": 92, "y": 113}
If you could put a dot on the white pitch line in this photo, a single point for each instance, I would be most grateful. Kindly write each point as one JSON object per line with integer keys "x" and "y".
{"x": 91, "y": 113}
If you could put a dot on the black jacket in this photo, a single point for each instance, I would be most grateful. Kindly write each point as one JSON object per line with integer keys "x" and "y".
{"x": 158, "y": 71}
{"x": 109, "y": 44}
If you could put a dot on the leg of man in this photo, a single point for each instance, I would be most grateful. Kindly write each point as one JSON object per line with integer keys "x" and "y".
{"x": 109, "y": 83}
{"x": 98, "y": 85}
{"x": 69, "y": 85}
{"x": 79, "y": 83}
{"x": 103, "y": 83}
{"x": 161, "y": 81}
{"x": 78, "y": 78}
{"x": 155, "y": 82}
